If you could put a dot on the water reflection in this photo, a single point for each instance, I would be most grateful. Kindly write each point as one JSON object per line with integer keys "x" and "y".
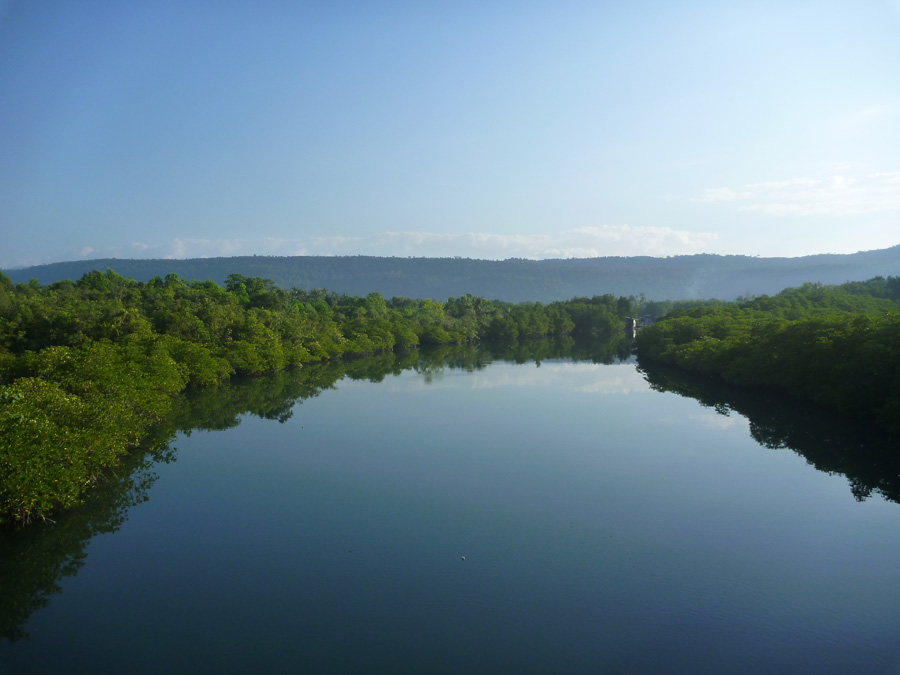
{"x": 36, "y": 560}
{"x": 863, "y": 453}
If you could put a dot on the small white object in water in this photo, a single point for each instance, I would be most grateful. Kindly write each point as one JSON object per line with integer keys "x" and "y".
{"x": 463, "y": 558}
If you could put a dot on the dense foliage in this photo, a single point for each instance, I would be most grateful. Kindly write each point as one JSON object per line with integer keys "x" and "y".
{"x": 838, "y": 346}
{"x": 88, "y": 367}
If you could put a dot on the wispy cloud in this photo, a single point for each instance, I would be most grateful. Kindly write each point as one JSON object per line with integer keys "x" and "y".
{"x": 583, "y": 242}
{"x": 204, "y": 248}
{"x": 141, "y": 246}
{"x": 833, "y": 196}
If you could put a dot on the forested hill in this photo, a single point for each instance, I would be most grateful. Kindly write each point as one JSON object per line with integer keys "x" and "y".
{"x": 514, "y": 280}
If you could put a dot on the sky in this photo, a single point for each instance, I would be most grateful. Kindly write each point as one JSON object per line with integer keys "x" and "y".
{"x": 179, "y": 129}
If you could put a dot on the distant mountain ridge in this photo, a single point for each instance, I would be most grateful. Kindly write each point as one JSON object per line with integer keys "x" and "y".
{"x": 514, "y": 280}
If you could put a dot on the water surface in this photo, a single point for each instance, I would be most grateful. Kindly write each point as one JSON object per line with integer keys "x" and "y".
{"x": 560, "y": 516}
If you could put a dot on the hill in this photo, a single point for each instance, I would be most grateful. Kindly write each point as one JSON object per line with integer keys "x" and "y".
{"x": 514, "y": 280}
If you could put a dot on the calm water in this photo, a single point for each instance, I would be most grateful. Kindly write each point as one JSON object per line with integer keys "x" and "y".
{"x": 604, "y": 527}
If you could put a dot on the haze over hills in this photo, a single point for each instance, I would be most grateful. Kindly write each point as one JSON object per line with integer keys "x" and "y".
{"x": 514, "y": 280}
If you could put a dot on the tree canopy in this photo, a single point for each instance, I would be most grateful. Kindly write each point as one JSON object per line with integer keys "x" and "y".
{"x": 837, "y": 346}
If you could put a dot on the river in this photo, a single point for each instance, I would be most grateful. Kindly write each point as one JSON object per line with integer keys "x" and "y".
{"x": 473, "y": 512}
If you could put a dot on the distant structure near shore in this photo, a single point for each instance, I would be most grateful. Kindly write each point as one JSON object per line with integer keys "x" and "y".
{"x": 630, "y": 326}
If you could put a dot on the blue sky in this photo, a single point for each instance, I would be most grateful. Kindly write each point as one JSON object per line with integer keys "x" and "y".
{"x": 487, "y": 130}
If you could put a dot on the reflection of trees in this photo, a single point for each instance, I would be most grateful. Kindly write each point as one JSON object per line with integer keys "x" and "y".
{"x": 829, "y": 442}
{"x": 36, "y": 559}
{"x": 615, "y": 348}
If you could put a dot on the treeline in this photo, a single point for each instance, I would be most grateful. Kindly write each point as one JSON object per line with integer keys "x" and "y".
{"x": 88, "y": 367}
{"x": 513, "y": 280}
{"x": 838, "y": 346}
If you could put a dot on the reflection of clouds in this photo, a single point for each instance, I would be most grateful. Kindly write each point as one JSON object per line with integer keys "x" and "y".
{"x": 589, "y": 378}
{"x": 709, "y": 419}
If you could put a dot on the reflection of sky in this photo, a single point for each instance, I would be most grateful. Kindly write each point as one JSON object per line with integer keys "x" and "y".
{"x": 710, "y": 419}
{"x": 590, "y": 378}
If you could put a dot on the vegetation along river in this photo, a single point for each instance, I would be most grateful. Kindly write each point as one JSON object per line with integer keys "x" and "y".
{"x": 537, "y": 509}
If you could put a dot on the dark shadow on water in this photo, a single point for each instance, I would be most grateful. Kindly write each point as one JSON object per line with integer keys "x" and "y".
{"x": 35, "y": 560}
{"x": 863, "y": 453}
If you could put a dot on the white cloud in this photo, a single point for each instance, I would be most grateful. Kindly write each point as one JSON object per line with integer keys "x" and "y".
{"x": 205, "y": 248}
{"x": 86, "y": 251}
{"x": 833, "y": 196}
{"x": 583, "y": 242}
{"x": 642, "y": 240}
